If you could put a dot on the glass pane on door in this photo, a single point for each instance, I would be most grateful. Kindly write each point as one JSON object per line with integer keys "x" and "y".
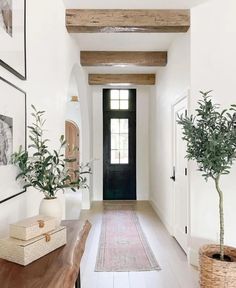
{"x": 119, "y": 141}
{"x": 119, "y": 100}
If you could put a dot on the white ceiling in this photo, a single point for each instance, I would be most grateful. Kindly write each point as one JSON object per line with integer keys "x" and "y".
{"x": 124, "y": 41}
{"x": 127, "y": 41}
{"x": 124, "y": 70}
{"x": 132, "y": 4}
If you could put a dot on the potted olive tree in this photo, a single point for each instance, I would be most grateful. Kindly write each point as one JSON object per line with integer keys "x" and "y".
{"x": 46, "y": 170}
{"x": 211, "y": 142}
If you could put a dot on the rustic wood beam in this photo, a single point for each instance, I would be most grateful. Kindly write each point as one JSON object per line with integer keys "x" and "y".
{"x": 120, "y": 20}
{"x": 133, "y": 79}
{"x": 115, "y": 58}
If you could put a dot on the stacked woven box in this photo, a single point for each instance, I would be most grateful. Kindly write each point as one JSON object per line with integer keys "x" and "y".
{"x": 32, "y": 238}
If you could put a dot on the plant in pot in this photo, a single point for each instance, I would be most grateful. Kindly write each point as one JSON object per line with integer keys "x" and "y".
{"x": 47, "y": 170}
{"x": 211, "y": 142}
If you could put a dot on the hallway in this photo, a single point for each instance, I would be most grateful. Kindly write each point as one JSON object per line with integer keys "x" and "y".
{"x": 175, "y": 273}
{"x": 114, "y": 78}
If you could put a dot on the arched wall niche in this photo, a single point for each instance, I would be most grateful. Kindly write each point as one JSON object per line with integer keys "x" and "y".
{"x": 77, "y": 112}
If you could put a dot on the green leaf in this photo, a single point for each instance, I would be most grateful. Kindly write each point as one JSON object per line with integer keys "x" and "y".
{"x": 33, "y": 107}
{"x": 45, "y": 170}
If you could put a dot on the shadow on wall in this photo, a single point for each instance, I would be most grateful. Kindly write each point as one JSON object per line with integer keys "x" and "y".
{"x": 78, "y": 112}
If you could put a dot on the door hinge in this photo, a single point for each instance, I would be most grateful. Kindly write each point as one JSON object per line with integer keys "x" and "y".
{"x": 186, "y": 171}
{"x": 173, "y": 176}
{"x": 186, "y": 229}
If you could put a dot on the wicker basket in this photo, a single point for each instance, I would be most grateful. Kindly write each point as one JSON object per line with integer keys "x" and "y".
{"x": 215, "y": 273}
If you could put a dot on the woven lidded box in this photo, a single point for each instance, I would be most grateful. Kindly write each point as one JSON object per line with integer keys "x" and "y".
{"x": 32, "y": 227}
{"x": 25, "y": 252}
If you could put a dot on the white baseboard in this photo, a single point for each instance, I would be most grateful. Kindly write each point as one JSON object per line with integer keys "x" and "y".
{"x": 161, "y": 216}
{"x": 193, "y": 257}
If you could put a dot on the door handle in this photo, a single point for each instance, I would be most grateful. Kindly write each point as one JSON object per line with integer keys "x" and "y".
{"x": 173, "y": 176}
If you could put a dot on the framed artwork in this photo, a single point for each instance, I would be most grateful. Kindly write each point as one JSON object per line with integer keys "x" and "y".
{"x": 12, "y": 136}
{"x": 13, "y": 36}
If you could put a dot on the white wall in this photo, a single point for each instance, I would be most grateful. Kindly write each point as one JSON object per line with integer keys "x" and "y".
{"x": 132, "y": 4}
{"x": 172, "y": 82}
{"x": 51, "y": 55}
{"x": 143, "y": 95}
{"x": 213, "y": 67}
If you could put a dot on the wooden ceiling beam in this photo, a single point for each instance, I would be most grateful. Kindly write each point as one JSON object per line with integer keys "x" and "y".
{"x": 120, "y": 20}
{"x": 117, "y": 58}
{"x": 119, "y": 79}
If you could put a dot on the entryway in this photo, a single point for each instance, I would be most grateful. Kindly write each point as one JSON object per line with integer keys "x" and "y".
{"x": 180, "y": 177}
{"x": 119, "y": 144}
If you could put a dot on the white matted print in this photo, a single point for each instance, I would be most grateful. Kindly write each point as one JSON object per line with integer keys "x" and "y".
{"x": 6, "y": 15}
{"x": 12, "y": 136}
{"x": 12, "y": 36}
{"x": 6, "y": 139}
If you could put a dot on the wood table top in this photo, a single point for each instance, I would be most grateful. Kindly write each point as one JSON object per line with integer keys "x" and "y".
{"x": 58, "y": 269}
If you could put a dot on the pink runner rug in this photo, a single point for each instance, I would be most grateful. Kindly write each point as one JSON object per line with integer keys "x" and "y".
{"x": 123, "y": 246}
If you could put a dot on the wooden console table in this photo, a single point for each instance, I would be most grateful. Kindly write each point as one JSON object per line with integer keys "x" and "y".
{"x": 58, "y": 269}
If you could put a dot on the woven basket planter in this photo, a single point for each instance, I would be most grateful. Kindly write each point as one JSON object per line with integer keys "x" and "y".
{"x": 215, "y": 273}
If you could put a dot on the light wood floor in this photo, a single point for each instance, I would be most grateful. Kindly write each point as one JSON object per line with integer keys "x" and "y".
{"x": 175, "y": 273}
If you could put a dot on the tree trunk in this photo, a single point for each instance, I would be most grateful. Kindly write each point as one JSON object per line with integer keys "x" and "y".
{"x": 221, "y": 211}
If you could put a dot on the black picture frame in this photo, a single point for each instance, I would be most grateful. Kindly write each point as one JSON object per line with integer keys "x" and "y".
{"x": 12, "y": 69}
{"x": 25, "y": 128}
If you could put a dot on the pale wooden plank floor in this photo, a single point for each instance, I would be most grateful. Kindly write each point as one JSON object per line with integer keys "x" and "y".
{"x": 175, "y": 273}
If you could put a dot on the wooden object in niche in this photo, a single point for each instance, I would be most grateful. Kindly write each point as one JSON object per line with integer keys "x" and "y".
{"x": 72, "y": 134}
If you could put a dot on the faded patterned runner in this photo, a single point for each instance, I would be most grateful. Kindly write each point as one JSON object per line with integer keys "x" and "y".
{"x": 123, "y": 246}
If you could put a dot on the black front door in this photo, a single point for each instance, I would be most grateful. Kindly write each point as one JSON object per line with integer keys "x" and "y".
{"x": 119, "y": 144}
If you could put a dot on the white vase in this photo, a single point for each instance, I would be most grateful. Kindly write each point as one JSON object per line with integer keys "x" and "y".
{"x": 51, "y": 207}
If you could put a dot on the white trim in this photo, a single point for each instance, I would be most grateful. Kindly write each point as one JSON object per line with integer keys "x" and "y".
{"x": 86, "y": 203}
{"x": 184, "y": 96}
{"x": 161, "y": 217}
{"x": 193, "y": 254}
{"x": 193, "y": 257}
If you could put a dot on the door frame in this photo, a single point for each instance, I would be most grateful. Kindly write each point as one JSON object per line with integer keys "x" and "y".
{"x": 184, "y": 96}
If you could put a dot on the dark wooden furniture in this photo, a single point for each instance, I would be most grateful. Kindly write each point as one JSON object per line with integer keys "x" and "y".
{"x": 59, "y": 269}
